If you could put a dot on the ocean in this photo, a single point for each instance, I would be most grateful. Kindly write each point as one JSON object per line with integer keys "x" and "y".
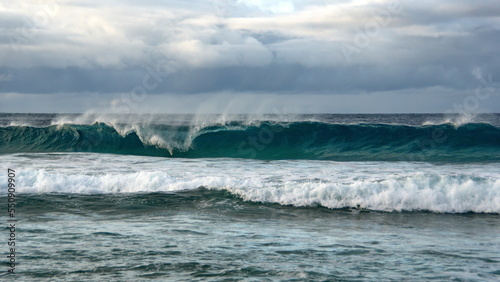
{"x": 353, "y": 197}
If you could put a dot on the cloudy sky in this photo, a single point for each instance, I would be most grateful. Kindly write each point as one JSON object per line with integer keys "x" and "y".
{"x": 250, "y": 56}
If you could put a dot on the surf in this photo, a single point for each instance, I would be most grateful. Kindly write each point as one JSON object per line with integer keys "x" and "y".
{"x": 373, "y": 186}
{"x": 267, "y": 140}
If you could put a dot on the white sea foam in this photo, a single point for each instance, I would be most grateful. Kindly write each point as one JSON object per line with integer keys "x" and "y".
{"x": 372, "y": 185}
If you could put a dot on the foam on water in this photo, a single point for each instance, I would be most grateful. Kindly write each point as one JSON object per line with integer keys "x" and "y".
{"x": 374, "y": 185}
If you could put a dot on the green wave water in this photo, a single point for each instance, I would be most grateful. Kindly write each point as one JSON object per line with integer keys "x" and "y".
{"x": 267, "y": 140}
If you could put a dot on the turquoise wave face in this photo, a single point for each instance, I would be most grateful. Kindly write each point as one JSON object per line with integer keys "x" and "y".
{"x": 267, "y": 140}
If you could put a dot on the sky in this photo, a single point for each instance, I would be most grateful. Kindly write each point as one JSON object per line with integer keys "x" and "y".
{"x": 250, "y": 56}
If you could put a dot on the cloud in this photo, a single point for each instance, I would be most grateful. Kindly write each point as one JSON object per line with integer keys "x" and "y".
{"x": 350, "y": 47}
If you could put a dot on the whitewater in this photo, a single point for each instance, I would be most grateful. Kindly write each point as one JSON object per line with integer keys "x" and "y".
{"x": 381, "y": 186}
{"x": 297, "y": 197}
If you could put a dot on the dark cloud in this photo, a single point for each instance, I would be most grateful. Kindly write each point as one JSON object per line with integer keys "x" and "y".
{"x": 249, "y": 46}
{"x": 272, "y": 78}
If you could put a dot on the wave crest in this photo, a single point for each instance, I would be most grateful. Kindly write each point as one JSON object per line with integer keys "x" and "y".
{"x": 265, "y": 140}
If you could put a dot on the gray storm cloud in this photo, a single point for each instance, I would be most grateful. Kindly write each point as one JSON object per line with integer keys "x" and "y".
{"x": 247, "y": 46}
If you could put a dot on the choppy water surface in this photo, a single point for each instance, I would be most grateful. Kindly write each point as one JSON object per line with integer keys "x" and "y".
{"x": 385, "y": 207}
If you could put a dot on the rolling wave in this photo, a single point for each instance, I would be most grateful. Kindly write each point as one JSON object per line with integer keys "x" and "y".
{"x": 427, "y": 191}
{"x": 471, "y": 142}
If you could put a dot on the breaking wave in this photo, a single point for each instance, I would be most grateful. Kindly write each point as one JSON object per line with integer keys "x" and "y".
{"x": 269, "y": 140}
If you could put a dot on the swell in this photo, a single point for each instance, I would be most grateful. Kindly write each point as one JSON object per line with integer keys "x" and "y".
{"x": 266, "y": 140}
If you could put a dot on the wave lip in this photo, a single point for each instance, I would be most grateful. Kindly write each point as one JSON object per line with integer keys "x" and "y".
{"x": 471, "y": 142}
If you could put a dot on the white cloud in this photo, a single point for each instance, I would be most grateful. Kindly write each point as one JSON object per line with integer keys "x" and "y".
{"x": 272, "y": 6}
{"x": 282, "y": 46}
{"x": 211, "y": 34}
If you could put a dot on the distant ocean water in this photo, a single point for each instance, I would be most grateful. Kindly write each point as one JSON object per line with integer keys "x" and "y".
{"x": 264, "y": 198}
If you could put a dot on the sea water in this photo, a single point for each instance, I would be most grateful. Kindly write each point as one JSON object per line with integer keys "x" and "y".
{"x": 302, "y": 198}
